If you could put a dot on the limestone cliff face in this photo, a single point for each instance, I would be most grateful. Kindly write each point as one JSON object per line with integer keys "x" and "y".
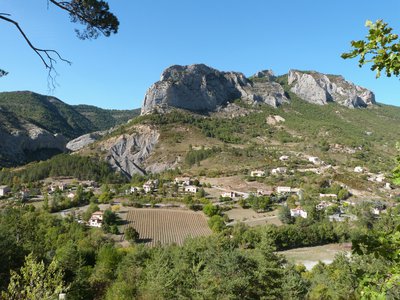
{"x": 84, "y": 140}
{"x": 201, "y": 88}
{"x": 320, "y": 89}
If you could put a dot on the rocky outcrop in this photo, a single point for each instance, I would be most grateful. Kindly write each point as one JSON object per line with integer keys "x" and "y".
{"x": 84, "y": 140}
{"x": 201, "y": 88}
{"x": 27, "y": 143}
{"x": 265, "y": 89}
{"x": 128, "y": 152}
{"x": 320, "y": 89}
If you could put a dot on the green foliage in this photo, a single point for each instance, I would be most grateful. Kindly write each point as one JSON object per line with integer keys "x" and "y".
{"x": 211, "y": 210}
{"x": 131, "y": 234}
{"x": 104, "y": 119}
{"x": 396, "y": 170}
{"x": 35, "y": 281}
{"x": 46, "y": 112}
{"x": 381, "y": 47}
{"x": 80, "y": 167}
{"x": 196, "y": 156}
{"x": 216, "y": 223}
{"x": 3, "y": 73}
{"x": 284, "y": 215}
{"x": 259, "y": 203}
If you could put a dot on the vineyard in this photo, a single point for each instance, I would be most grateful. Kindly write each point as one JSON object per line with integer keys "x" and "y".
{"x": 167, "y": 226}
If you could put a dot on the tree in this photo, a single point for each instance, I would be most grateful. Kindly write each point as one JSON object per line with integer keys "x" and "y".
{"x": 131, "y": 235}
{"x": 396, "y": 170}
{"x": 381, "y": 48}
{"x": 284, "y": 215}
{"x": 35, "y": 281}
{"x": 211, "y": 210}
{"x": 94, "y": 14}
{"x": 216, "y": 223}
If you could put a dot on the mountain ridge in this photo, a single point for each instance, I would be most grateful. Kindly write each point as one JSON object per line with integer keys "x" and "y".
{"x": 202, "y": 88}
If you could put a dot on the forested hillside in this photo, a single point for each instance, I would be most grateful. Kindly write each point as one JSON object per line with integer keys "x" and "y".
{"x": 104, "y": 119}
{"x": 56, "y": 116}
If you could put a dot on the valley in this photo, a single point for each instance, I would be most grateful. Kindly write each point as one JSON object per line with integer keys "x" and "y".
{"x": 256, "y": 172}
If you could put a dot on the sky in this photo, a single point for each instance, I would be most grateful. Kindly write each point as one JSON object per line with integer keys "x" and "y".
{"x": 229, "y": 35}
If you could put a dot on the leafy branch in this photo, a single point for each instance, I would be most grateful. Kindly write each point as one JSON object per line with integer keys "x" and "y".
{"x": 381, "y": 48}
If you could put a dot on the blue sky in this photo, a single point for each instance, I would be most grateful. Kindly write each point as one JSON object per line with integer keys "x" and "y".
{"x": 245, "y": 36}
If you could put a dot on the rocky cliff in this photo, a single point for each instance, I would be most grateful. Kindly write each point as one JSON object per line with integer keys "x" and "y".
{"x": 28, "y": 142}
{"x": 128, "y": 152}
{"x": 320, "y": 89}
{"x": 201, "y": 88}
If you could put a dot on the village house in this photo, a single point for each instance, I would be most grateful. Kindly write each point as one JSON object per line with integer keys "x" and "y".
{"x": 257, "y": 173}
{"x": 313, "y": 170}
{"x": 4, "y": 190}
{"x": 96, "y": 220}
{"x": 71, "y": 196}
{"x": 279, "y": 170}
{"x": 283, "y": 189}
{"x": 323, "y": 205}
{"x": 298, "y": 212}
{"x": 230, "y": 194}
{"x": 284, "y": 158}
{"x": 183, "y": 180}
{"x": 332, "y": 196}
{"x": 191, "y": 189}
{"x": 315, "y": 160}
{"x": 148, "y": 187}
{"x": 61, "y": 187}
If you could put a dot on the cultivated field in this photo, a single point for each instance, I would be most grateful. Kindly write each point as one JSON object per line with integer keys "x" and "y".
{"x": 167, "y": 226}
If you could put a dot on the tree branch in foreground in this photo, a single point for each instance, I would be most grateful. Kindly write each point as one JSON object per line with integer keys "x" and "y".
{"x": 48, "y": 56}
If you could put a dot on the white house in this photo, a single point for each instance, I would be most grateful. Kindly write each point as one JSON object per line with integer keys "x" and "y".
{"x": 257, "y": 173}
{"x": 183, "y": 180}
{"x": 358, "y": 169}
{"x": 315, "y": 160}
{"x": 4, "y": 190}
{"x": 284, "y": 158}
{"x": 279, "y": 170}
{"x": 228, "y": 194}
{"x": 283, "y": 189}
{"x": 96, "y": 220}
{"x": 70, "y": 195}
{"x": 323, "y": 205}
{"x": 298, "y": 212}
{"x": 132, "y": 190}
{"x": 191, "y": 189}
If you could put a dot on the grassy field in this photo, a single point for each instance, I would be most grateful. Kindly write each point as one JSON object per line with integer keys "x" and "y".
{"x": 167, "y": 226}
{"x": 310, "y": 256}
